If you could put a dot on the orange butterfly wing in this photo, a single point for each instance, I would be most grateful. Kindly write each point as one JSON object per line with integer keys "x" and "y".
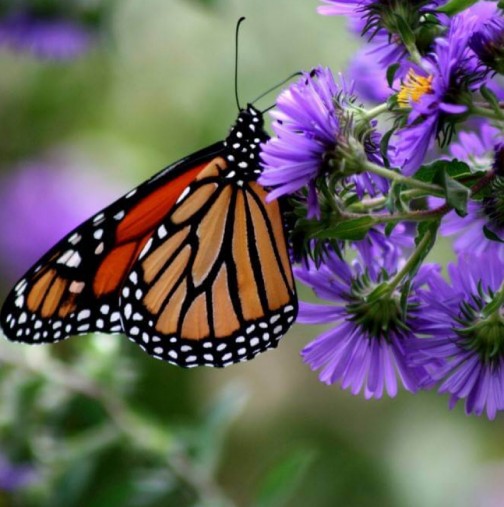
{"x": 74, "y": 288}
{"x": 213, "y": 286}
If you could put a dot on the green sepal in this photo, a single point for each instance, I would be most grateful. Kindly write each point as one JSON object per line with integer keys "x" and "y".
{"x": 391, "y": 72}
{"x": 456, "y": 194}
{"x": 491, "y": 235}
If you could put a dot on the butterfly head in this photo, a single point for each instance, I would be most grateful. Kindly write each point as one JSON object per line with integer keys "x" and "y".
{"x": 243, "y": 144}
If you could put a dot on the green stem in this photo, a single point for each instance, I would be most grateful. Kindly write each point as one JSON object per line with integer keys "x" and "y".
{"x": 371, "y": 114}
{"x": 487, "y": 113}
{"x": 415, "y": 256}
{"x": 399, "y": 178}
{"x": 367, "y": 204}
{"x": 415, "y": 55}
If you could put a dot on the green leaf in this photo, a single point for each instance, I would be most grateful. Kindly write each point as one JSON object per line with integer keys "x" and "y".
{"x": 456, "y": 194}
{"x": 384, "y": 143}
{"x": 455, "y": 6}
{"x": 391, "y": 72}
{"x": 353, "y": 229}
{"x": 389, "y": 228}
{"x": 490, "y": 97}
{"x": 453, "y": 168}
{"x": 284, "y": 478}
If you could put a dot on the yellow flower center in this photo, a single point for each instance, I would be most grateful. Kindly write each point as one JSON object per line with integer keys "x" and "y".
{"x": 413, "y": 88}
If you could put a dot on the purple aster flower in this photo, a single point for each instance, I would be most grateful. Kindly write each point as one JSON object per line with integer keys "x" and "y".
{"x": 389, "y": 249}
{"x": 14, "y": 477}
{"x": 477, "y": 149}
{"x": 431, "y": 93}
{"x": 488, "y": 43}
{"x": 39, "y": 203}
{"x": 311, "y": 122}
{"x": 45, "y": 37}
{"x": 307, "y": 128}
{"x": 368, "y": 73}
{"x": 378, "y": 19}
{"x": 366, "y": 347}
{"x": 465, "y": 331}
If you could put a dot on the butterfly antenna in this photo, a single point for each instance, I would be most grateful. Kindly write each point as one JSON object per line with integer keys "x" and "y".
{"x": 240, "y": 21}
{"x": 278, "y": 85}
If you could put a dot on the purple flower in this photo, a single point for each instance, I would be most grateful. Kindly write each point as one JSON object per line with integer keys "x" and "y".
{"x": 465, "y": 333}
{"x": 14, "y": 477}
{"x": 432, "y": 91}
{"x": 369, "y": 75}
{"x": 366, "y": 347}
{"x": 488, "y": 43}
{"x": 378, "y": 19}
{"x": 477, "y": 149}
{"x": 306, "y": 127}
{"x": 389, "y": 249}
{"x": 45, "y": 37}
{"x": 311, "y": 124}
{"x": 39, "y": 203}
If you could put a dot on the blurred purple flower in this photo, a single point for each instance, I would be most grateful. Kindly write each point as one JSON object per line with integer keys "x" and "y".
{"x": 369, "y": 75}
{"x": 39, "y": 203}
{"x": 14, "y": 477}
{"x": 429, "y": 92}
{"x": 477, "y": 149}
{"x": 465, "y": 333}
{"x": 488, "y": 43}
{"x": 366, "y": 347}
{"x": 45, "y": 37}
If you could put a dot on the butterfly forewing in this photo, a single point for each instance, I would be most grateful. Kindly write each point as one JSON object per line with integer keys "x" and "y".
{"x": 74, "y": 288}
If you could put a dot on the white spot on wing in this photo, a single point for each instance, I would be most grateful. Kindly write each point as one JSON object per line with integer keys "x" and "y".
{"x": 162, "y": 232}
{"x": 84, "y": 314}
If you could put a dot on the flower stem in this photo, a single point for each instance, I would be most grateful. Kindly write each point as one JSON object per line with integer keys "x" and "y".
{"x": 415, "y": 55}
{"x": 419, "y": 253}
{"x": 371, "y": 114}
{"x": 399, "y": 178}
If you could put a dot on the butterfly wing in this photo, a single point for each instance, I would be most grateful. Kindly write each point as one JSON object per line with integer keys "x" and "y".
{"x": 74, "y": 288}
{"x": 213, "y": 285}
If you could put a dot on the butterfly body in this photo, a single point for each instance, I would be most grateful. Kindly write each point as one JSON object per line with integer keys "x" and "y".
{"x": 192, "y": 265}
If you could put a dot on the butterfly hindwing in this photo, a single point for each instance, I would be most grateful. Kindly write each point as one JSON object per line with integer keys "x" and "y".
{"x": 74, "y": 288}
{"x": 213, "y": 286}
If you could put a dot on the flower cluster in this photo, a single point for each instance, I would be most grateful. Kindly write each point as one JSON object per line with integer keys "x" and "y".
{"x": 49, "y": 29}
{"x": 404, "y": 148}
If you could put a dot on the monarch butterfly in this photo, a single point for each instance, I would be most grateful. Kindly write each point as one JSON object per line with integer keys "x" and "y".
{"x": 192, "y": 265}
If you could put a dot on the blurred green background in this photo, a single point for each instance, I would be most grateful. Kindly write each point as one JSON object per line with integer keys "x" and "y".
{"x": 99, "y": 423}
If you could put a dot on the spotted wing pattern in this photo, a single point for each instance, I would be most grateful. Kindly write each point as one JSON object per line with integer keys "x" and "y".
{"x": 192, "y": 265}
{"x": 74, "y": 288}
{"x": 213, "y": 285}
